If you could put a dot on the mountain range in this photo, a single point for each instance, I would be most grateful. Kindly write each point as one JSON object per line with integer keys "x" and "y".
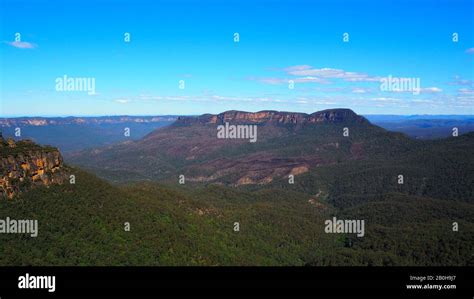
{"x": 73, "y": 134}
{"x": 288, "y": 143}
{"x": 182, "y": 189}
{"x": 77, "y": 133}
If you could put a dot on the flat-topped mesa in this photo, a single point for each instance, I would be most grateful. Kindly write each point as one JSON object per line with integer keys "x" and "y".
{"x": 275, "y": 117}
{"x": 24, "y": 165}
{"x": 337, "y": 116}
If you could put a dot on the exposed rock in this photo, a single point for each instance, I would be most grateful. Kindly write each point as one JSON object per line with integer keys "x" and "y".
{"x": 11, "y": 143}
{"x": 24, "y": 165}
{"x": 275, "y": 117}
{"x": 316, "y": 203}
{"x": 299, "y": 170}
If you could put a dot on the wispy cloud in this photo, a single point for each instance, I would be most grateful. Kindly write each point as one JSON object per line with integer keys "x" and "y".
{"x": 22, "y": 45}
{"x": 431, "y": 90}
{"x": 268, "y": 80}
{"x": 361, "y": 90}
{"x": 421, "y": 90}
{"x": 277, "y": 81}
{"x": 122, "y": 101}
{"x": 466, "y": 91}
{"x": 330, "y": 73}
{"x": 462, "y": 82}
{"x": 308, "y": 74}
{"x": 422, "y": 101}
{"x": 224, "y": 99}
{"x": 310, "y": 79}
{"x": 297, "y": 68}
{"x": 470, "y": 51}
{"x": 386, "y": 100}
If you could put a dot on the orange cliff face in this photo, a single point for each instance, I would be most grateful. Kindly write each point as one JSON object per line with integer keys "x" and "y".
{"x": 275, "y": 117}
{"x": 24, "y": 165}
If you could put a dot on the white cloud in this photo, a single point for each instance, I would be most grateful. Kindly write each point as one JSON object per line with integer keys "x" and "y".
{"x": 310, "y": 79}
{"x": 269, "y": 80}
{"x": 431, "y": 90}
{"x": 361, "y": 90}
{"x": 307, "y": 74}
{"x": 278, "y": 81}
{"x": 422, "y": 101}
{"x": 462, "y": 82}
{"x": 466, "y": 91}
{"x": 297, "y": 68}
{"x": 421, "y": 90}
{"x": 123, "y": 101}
{"x": 330, "y": 73}
{"x": 22, "y": 45}
{"x": 386, "y": 100}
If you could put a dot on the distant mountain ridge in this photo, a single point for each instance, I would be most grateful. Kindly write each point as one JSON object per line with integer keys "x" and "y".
{"x": 70, "y": 120}
{"x": 425, "y": 126}
{"x": 275, "y": 117}
{"x": 79, "y": 133}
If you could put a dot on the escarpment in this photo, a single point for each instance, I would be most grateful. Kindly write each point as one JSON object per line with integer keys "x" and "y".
{"x": 25, "y": 165}
{"x": 276, "y": 117}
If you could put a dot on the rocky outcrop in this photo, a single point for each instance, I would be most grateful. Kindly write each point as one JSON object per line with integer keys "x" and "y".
{"x": 276, "y": 117}
{"x": 24, "y": 165}
{"x": 336, "y": 116}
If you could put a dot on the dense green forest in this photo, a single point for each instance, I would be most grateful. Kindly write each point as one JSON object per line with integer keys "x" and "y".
{"x": 84, "y": 224}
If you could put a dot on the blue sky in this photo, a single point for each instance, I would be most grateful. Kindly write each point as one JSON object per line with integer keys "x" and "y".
{"x": 193, "y": 41}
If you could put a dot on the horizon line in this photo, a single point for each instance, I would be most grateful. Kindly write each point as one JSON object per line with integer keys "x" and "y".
{"x": 162, "y": 115}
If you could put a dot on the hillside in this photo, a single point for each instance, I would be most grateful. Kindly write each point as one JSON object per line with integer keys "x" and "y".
{"x": 312, "y": 147}
{"x": 287, "y": 143}
{"x": 84, "y": 224}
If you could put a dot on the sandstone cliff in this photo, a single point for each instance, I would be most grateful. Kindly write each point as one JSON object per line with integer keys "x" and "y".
{"x": 24, "y": 165}
{"x": 276, "y": 117}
